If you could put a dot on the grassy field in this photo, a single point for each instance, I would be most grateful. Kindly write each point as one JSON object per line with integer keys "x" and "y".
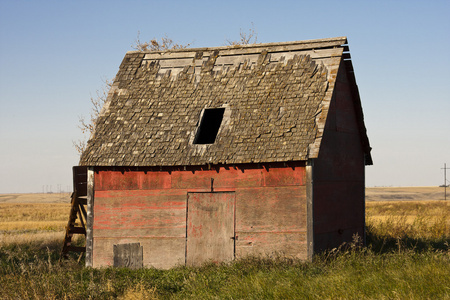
{"x": 407, "y": 257}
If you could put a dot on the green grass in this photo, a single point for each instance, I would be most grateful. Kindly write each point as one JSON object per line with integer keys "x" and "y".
{"x": 403, "y": 260}
{"x": 399, "y": 272}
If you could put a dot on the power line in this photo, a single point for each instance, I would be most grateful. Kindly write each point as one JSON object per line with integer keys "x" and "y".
{"x": 445, "y": 180}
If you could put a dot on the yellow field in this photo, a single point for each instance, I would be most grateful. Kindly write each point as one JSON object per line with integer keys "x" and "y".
{"x": 33, "y": 216}
{"x": 426, "y": 219}
{"x": 408, "y": 211}
{"x": 38, "y": 218}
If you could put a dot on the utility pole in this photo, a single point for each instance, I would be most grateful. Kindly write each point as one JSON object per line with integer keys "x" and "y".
{"x": 445, "y": 180}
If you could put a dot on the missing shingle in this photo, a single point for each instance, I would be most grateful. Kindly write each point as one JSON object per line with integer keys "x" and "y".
{"x": 209, "y": 126}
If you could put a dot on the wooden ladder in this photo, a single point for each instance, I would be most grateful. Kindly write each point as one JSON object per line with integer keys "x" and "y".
{"x": 78, "y": 216}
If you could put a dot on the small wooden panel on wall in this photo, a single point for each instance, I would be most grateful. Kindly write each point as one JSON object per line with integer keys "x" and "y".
{"x": 128, "y": 255}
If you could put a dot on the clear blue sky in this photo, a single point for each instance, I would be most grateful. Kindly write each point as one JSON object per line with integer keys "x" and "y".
{"x": 54, "y": 55}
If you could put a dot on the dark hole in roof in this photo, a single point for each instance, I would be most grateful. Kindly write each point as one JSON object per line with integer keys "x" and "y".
{"x": 209, "y": 126}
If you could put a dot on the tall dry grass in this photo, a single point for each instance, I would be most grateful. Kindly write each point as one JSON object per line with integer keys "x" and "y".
{"x": 415, "y": 224}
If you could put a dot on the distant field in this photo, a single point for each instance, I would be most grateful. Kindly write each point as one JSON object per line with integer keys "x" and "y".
{"x": 406, "y": 193}
{"x": 35, "y": 198}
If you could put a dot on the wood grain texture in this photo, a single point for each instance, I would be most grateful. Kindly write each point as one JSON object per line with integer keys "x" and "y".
{"x": 271, "y": 221}
{"x": 272, "y": 244}
{"x": 140, "y": 213}
{"x": 269, "y": 205}
{"x": 114, "y": 180}
{"x": 271, "y": 209}
{"x": 90, "y": 217}
{"x": 338, "y": 209}
{"x": 223, "y": 178}
{"x": 128, "y": 255}
{"x": 210, "y": 228}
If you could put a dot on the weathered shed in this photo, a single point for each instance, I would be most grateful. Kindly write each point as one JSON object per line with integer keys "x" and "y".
{"x": 218, "y": 153}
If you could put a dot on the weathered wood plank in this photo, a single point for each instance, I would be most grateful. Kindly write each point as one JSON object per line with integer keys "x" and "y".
{"x": 309, "y": 208}
{"x": 90, "y": 218}
{"x": 175, "y": 63}
{"x": 210, "y": 228}
{"x": 140, "y": 213}
{"x": 115, "y": 180}
{"x": 235, "y": 60}
{"x": 173, "y": 55}
{"x": 278, "y": 48}
{"x": 112, "y": 180}
{"x": 271, "y": 209}
{"x": 278, "y": 177}
{"x": 338, "y": 205}
{"x": 271, "y": 244}
{"x": 128, "y": 255}
{"x": 222, "y": 178}
{"x": 252, "y": 48}
{"x": 314, "y": 54}
{"x": 80, "y": 180}
{"x": 161, "y": 253}
{"x": 82, "y": 200}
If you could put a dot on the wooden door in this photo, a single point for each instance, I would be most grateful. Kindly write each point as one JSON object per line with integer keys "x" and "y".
{"x": 210, "y": 227}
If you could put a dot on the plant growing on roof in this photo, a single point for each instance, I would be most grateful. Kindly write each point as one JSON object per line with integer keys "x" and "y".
{"x": 165, "y": 44}
{"x": 244, "y": 38}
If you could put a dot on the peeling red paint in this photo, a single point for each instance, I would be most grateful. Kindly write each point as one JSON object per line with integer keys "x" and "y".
{"x": 269, "y": 206}
{"x": 195, "y": 231}
{"x": 131, "y": 206}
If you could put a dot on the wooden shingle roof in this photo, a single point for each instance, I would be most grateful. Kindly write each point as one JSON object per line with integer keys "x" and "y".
{"x": 275, "y": 98}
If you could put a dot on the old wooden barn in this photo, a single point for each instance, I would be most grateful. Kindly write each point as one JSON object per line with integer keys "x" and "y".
{"x": 218, "y": 153}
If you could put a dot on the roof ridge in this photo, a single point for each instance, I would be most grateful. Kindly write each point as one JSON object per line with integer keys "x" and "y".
{"x": 314, "y": 44}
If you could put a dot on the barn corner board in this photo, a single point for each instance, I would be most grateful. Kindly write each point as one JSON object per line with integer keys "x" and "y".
{"x": 212, "y": 154}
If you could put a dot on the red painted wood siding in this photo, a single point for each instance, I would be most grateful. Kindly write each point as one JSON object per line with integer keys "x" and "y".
{"x": 149, "y": 207}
